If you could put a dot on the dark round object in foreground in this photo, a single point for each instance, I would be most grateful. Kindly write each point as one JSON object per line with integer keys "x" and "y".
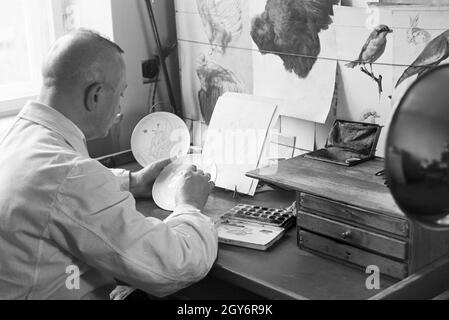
{"x": 417, "y": 152}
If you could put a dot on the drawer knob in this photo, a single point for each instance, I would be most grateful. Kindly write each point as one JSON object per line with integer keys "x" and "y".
{"x": 345, "y": 235}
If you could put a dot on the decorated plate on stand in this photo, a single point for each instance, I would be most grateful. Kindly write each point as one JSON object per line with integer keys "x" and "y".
{"x": 159, "y": 136}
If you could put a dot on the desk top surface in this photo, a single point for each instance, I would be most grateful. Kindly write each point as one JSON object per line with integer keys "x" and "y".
{"x": 284, "y": 271}
{"x": 357, "y": 186}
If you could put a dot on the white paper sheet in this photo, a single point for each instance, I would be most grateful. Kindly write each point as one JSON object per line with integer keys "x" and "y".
{"x": 236, "y": 139}
{"x": 220, "y": 32}
{"x": 309, "y": 98}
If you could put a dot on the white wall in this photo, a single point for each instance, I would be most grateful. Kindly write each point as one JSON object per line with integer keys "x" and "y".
{"x": 95, "y": 15}
{"x": 133, "y": 32}
{"x": 131, "y": 29}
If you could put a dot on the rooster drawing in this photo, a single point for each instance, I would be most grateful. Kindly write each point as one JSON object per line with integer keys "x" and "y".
{"x": 290, "y": 28}
{"x": 215, "y": 80}
{"x": 222, "y": 21}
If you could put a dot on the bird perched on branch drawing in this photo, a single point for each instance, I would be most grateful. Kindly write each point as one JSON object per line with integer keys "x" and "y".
{"x": 372, "y": 50}
{"x": 433, "y": 54}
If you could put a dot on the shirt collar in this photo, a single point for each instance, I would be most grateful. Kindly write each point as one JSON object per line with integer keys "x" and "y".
{"x": 57, "y": 122}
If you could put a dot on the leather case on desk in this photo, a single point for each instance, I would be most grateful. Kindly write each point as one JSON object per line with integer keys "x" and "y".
{"x": 349, "y": 143}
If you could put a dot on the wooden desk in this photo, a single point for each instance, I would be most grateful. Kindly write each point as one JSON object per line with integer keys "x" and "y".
{"x": 283, "y": 272}
{"x": 348, "y": 213}
{"x": 287, "y": 272}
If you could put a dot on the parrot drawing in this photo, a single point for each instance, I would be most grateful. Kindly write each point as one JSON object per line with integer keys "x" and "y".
{"x": 433, "y": 54}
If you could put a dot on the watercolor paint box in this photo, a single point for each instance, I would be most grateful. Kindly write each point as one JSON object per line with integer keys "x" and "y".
{"x": 253, "y": 226}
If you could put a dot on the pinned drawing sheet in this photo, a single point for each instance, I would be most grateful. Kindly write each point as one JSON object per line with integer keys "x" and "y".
{"x": 237, "y": 137}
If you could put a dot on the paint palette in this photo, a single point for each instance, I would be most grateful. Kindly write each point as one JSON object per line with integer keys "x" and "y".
{"x": 253, "y": 226}
{"x": 282, "y": 218}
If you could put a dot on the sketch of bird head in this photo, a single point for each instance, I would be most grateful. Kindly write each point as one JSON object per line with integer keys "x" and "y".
{"x": 215, "y": 80}
{"x": 383, "y": 30}
{"x": 417, "y": 36}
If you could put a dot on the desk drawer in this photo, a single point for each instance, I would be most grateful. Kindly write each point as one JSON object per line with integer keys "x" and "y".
{"x": 354, "y": 215}
{"x": 353, "y": 235}
{"x": 352, "y": 255}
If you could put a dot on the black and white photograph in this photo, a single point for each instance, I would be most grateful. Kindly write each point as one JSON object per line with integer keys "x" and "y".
{"x": 224, "y": 158}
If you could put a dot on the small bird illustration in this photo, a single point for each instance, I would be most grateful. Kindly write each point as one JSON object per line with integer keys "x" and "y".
{"x": 433, "y": 54}
{"x": 415, "y": 35}
{"x": 370, "y": 116}
{"x": 373, "y": 48}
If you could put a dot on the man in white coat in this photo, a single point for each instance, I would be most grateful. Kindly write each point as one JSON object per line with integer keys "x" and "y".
{"x": 62, "y": 211}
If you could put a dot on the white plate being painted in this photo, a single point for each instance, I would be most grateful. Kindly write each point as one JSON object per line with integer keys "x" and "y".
{"x": 159, "y": 136}
{"x": 165, "y": 186}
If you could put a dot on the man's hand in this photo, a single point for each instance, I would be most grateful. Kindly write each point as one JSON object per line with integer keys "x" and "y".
{"x": 141, "y": 182}
{"x": 194, "y": 188}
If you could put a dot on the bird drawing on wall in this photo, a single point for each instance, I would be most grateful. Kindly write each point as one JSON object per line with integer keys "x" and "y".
{"x": 215, "y": 80}
{"x": 373, "y": 49}
{"x": 433, "y": 54}
{"x": 369, "y": 116}
{"x": 290, "y": 29}
{"x": 415, "y": 35}
{"x": 222, "y": 22}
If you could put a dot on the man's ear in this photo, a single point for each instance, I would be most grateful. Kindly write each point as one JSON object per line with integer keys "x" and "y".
{"x": 92, "y": 95}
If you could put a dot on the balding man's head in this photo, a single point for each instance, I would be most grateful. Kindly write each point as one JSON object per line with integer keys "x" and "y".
{"x": 81, "y": 57}
{"x": 84, "y": 79}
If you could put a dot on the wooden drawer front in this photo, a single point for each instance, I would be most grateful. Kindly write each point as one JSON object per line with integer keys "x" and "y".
{"x": 353, "y": 255}
{"x": 353, "y": 235}
{"x": 355, "y": 215}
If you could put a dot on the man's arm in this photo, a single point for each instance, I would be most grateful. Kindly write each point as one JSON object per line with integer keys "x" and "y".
{"x": 124, "y": 178}
{"x": 140, "y": 183}
{"x": 98, "y": 224}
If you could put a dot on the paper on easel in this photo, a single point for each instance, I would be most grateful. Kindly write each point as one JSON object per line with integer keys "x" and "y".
{"x": 302, "y": 128}
{"x": 236, "y": 138}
